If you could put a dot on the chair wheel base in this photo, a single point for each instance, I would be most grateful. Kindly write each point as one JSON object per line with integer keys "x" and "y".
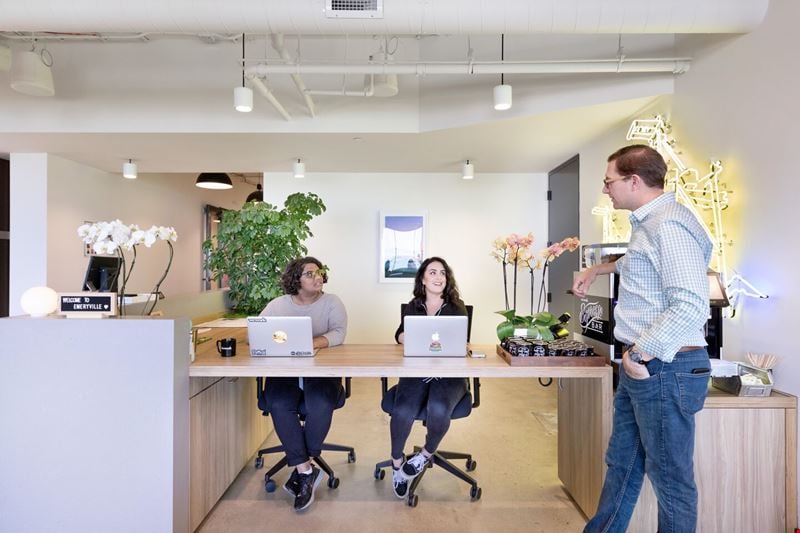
{"x": 412, "y": 500}
{"x": 259, "y": 462}
{"x": 475, "y": 493}
{"x": 351, "y": 457}
{"x": 379, "y": 474}
{"x": 333, "y": 482}
{"x": 269, "y": 485}
{"x": 471, "y": 465}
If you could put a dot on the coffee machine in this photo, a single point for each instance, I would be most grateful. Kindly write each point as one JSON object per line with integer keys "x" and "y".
{"x": 595, "y": 312}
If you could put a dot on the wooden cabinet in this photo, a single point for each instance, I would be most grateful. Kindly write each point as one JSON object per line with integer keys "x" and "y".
{"x": 226, "y": 430}
{"x": 745, "y": 462}
{"x": 583, "y": 433}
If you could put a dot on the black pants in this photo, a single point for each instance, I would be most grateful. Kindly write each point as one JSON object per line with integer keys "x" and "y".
{"x": 440, "y": 395}
{"x": 283, "y": 399}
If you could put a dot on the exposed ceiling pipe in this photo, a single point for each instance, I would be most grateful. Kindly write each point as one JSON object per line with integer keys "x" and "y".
{"x": 277, "y": 44}
{"x": 266, "y": 93}
{"x": 590, "y": 66}
{"x": 366, "y": 92}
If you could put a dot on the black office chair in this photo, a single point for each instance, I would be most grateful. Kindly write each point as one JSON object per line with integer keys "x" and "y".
{"x": 333, "y": 481}
{"x": 441, "y": 458}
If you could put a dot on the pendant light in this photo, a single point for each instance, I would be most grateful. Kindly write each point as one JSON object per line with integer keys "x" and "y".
{"x": 502, "y": 92}
{"x": 129, "y": 170}
{"x": 467, "y": 170}
{"x": 299, "y": 169}
{"x": 243, "y": 96}
{"x": 213, "y": 180}
{"x": 255, "y": 196}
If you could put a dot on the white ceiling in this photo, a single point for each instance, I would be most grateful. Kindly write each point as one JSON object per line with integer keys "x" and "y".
{"x": 166, "y": 100}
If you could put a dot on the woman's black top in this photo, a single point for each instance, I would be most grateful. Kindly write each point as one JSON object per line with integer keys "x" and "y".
{"x": 418, "y": 308}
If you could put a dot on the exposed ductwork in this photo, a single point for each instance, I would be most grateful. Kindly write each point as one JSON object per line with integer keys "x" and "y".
{"x": 401, "y": 18}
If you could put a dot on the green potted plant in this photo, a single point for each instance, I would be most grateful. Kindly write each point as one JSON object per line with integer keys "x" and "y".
{"x": 253, "y": 246}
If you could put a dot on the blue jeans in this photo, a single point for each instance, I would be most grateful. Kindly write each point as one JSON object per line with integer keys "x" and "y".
{"x": 653, "y": 433}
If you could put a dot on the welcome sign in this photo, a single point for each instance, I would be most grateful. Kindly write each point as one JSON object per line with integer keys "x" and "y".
{"x": 87, "y": 304}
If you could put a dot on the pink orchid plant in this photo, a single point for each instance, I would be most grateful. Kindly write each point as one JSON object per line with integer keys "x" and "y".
{"x": 515, "y": 250}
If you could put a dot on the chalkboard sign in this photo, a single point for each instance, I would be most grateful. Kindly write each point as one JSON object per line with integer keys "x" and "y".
{"x": 87, "y": 304}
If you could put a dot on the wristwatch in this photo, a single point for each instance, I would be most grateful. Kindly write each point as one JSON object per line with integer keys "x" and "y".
{"x": 635, "y": 355}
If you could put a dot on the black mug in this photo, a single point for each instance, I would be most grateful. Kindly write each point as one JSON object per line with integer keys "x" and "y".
{"x": 226, "y": 347}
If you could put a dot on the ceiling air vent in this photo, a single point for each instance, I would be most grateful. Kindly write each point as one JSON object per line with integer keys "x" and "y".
{"x": 354, "y": 9}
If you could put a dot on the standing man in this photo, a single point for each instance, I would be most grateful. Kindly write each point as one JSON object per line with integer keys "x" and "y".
{"x": 663, "y": 305}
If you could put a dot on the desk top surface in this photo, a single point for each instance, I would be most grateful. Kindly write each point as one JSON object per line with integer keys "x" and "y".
{"x": 367, "y": 360}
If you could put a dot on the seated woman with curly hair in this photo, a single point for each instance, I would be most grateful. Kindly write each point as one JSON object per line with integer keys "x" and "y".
{"x": 302, "y": 284}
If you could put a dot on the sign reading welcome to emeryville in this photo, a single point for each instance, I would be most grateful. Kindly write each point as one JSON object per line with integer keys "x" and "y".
{"x": 87, "y": 304}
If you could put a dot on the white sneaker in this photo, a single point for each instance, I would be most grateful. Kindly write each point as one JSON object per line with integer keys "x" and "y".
{"x": 414, "y": 466}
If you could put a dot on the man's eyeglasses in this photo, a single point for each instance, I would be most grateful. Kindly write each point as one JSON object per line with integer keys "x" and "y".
{"x": 607, "y": 182}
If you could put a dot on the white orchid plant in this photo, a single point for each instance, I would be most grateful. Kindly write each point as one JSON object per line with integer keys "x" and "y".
{"x": 112, "y": 238}
{"x": 107, "y": 237}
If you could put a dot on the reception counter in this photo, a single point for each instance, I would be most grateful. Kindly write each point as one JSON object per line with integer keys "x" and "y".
{"x": 94, "y": 418}
{"x": 108, "y": 427}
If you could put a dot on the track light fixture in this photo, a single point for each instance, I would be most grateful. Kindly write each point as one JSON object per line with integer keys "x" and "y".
{"x": 129, "y": 170}
{"x": 243, "y": 96}
{"x": 502, "y": 92}
{"x": 467, "y": 170}
{"x": 31, "y": 73}
{"x": 299, "y": 169}
{"x": 214, "y": 180}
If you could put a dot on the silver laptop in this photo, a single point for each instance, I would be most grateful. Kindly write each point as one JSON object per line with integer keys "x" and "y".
{"x": 280, "y": 336}
{"x": 435, "y": 336}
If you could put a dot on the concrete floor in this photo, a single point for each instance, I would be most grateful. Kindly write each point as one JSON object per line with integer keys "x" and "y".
{"x": 512, "y": 436}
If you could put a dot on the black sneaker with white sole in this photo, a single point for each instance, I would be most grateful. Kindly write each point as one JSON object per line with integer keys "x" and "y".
{"x": 415, "y": 465}
{"x": 306, "y": 485}
{"x": 399, "y": 482}
{"x": 292, "y": 484}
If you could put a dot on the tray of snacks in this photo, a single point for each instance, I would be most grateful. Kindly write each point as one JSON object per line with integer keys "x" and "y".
{"x": 526, "y": 351}
{"x": 750, "y": 381}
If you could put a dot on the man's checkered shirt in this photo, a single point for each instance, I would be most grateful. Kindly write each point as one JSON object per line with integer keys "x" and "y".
{"x": 663, "y": 287}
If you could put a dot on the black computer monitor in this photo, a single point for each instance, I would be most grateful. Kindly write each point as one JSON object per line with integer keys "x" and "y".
{"x": 102, "y": 274}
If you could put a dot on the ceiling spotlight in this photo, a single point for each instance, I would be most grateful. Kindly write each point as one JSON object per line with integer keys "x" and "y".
{"x": 129, "y": 170}
{"x": 243, "y": 99}
{"x": 243, "y": 96}
{"x": 256, "y": 196}
{"x": 299, "y": 169}
{"x": 31, "y": 73}
{"x": 502, "y": 92}
{"x": 502, "y": 97}
{"x": 467, "y": 170}
{"x": 213, "y": 180}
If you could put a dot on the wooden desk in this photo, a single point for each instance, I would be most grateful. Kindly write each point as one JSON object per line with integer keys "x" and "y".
{"x": 584, "y": 393}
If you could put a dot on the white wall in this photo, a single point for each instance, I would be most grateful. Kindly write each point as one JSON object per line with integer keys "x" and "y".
{"x": 464, "y": 217}
{"x": 78, "y": 193}
{"x": 738, "y": 104}
{"x": 28, "y": 226}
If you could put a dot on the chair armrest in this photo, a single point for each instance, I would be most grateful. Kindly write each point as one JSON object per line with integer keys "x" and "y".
{"x": 347, "y": 387}
{"x": 384, "y": 386}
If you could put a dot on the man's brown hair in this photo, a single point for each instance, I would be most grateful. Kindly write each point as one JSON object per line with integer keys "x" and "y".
{"x": 643, "y": 161}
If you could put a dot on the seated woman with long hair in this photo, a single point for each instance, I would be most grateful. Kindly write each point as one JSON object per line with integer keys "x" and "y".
{"x": 435, "y": 294}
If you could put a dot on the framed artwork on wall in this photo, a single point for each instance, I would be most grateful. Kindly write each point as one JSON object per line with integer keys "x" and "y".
{"x": 403, "y": 245}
